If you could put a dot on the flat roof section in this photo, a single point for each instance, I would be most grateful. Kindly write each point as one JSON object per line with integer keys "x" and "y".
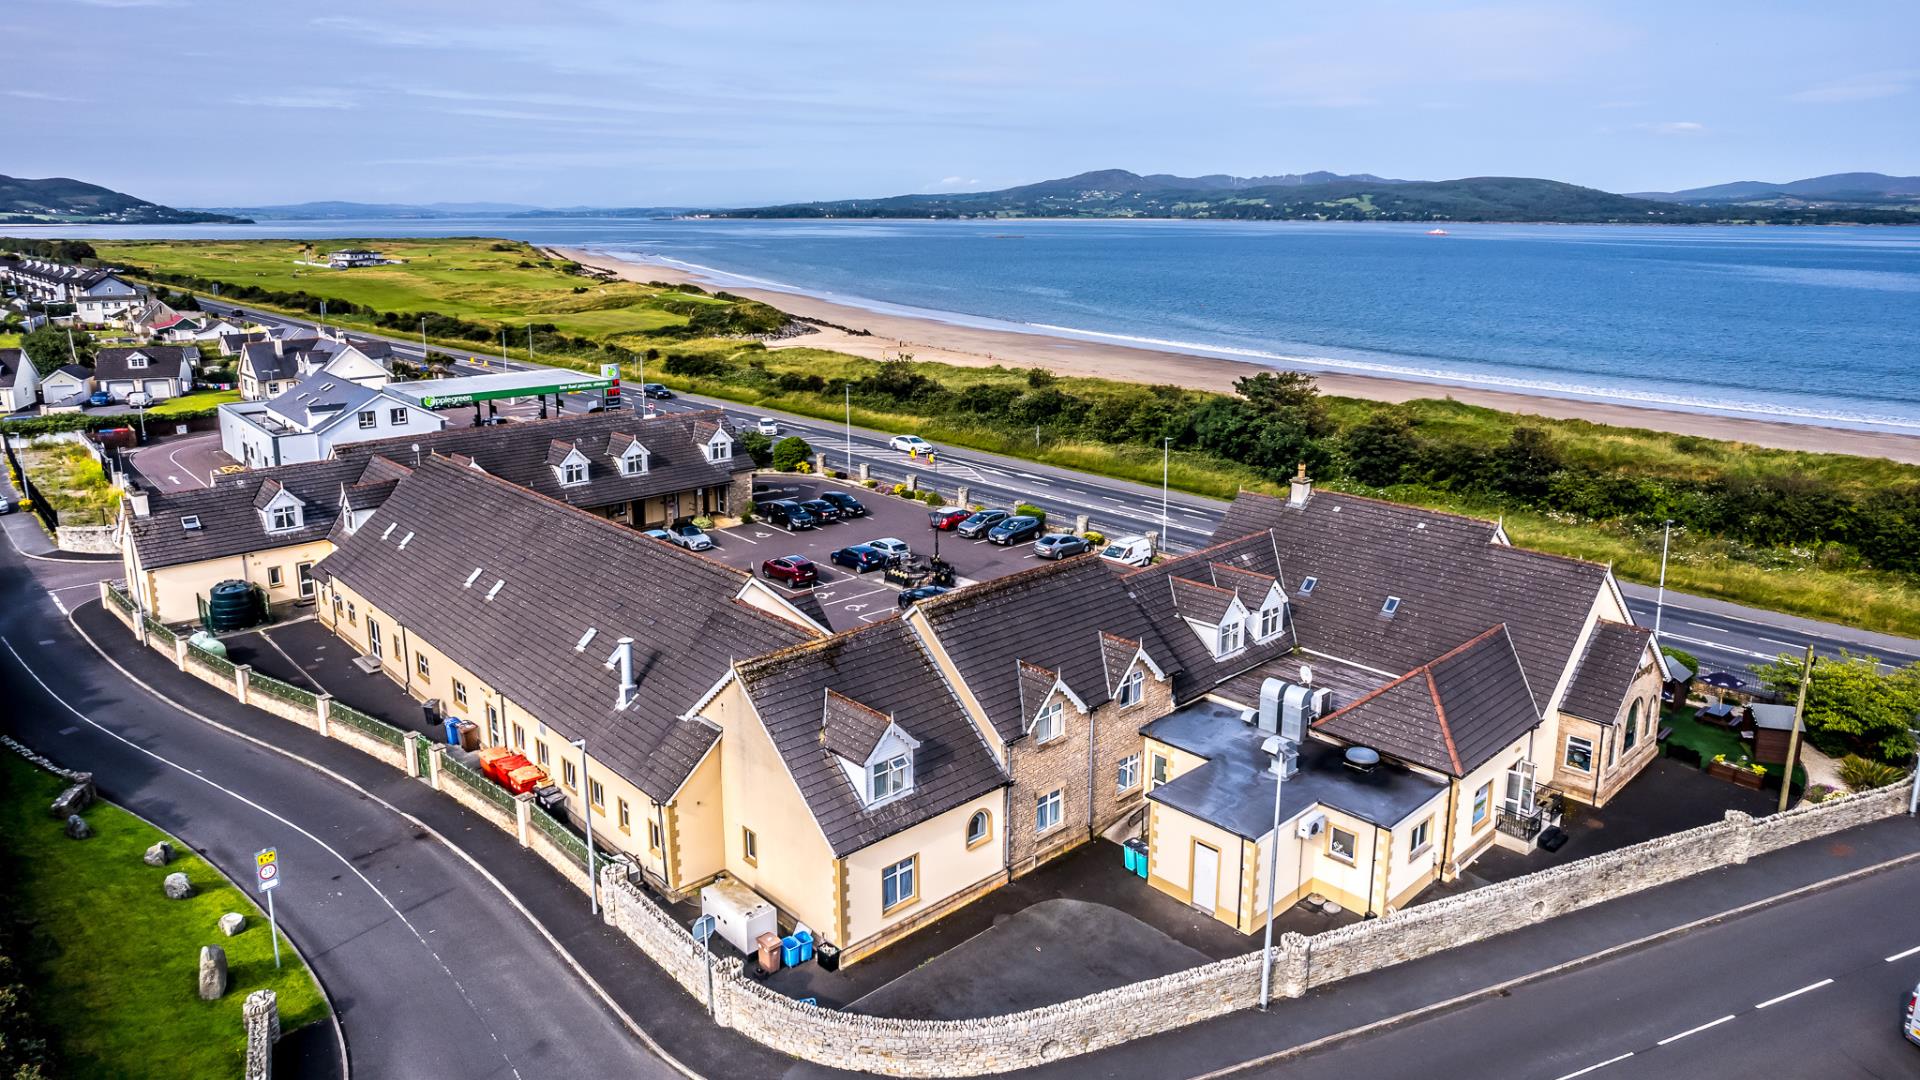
{"x": 494, "y": 386}
{"x": 1234, "y": 789}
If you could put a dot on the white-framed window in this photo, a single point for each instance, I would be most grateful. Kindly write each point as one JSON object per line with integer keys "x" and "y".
{"x": 1579, "y": 753}
{"x": 720, "y": 450}
{"x": 1342, "y": 844}
{"x": 285, "y": 518}
{"x": 573, "y": 472}
{"x": 136, "y": 361}
{"x": 899, "y": 884}
{"x": 888, "y": 778}
{"x": 1159, "y": 768}
{"x": 569, "y": 775}
{"x": 397, "y": 416}
{"x": 1482, "y": 803}
{"x": 540, "y": 754}
{"x": 1271, "y": 619}
{"x": 1419, "y": 839}
{"x": 1127, "y": 776}
{"x": 519, "y": 737}
{"x": 653, "y": 837}
{"x": 493, "y": 726}
{"x": 633, "y": 465}
{"x": 369, "y": 420}
{"x": 1133, "y": 688}
{"x": 749, "y": 847}
{"x": 459, "y": 691}
{"x": 420, "y": 665}
{"x": 1233, "y": 637}
{"x": 979, "y": 829}
{"x": 1048, "y": 725}
{"x": 624, "y": 815}
{"x": 596, "y": 795}
{"x": 273, "y": 577}
{"x": 1046, "y": 811}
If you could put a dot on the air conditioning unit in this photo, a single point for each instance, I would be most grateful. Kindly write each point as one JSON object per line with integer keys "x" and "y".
{"x": 1312, "y": 825}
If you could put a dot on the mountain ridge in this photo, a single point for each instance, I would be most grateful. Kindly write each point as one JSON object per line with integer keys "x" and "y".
{"x": 62, "y": 200}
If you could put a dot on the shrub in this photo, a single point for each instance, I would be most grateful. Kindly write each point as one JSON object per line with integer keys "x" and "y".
{"x": 1095, "y": 537}
{"x": 703, "y": 522}
{"x": 900, "y": 490}
{"x": 747, "y": 512}
{"x": 1687, "y": 658}
{"x": 1032, "y": 511}
{"x": 931, "y": 498}
{"x": 1819, "y": 793}
{"x": 790, "y": 453}
{"x": 1862, "y": 774}
{"x": 870, "y": 484}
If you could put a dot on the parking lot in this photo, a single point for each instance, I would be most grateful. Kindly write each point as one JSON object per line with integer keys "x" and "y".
{"x": 848, "y": 597}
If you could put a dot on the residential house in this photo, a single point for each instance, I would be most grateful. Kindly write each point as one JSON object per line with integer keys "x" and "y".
{"x": 348, "y": 258}
{"x": 19, "y": 381}
{"x": 66, "y": 388}
{"x": 98, "y": 295}
{"x": 158, "y": 371}
{"x": 319, "y": 412}
{"x": 268, "y": 369}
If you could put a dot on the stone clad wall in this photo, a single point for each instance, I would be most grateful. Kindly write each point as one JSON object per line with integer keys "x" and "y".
{"x": 1819, "y": 819}
{"x": 90, "y": 539}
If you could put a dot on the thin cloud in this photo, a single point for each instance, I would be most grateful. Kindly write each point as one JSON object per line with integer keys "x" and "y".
{"x": 317, "y": 100}
{"x": 38, "y": 95}
{"x": 1674, "y": 127}
{"x": 1865, "y": 87}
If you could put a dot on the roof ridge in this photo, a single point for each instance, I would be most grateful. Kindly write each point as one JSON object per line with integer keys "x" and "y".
{"x": 1215, "y": 546}
{"x": 1446, "y": 728}
{"x": 788, "y": 653}
{"x": 1424, "y": 669}
{"x": 960, "y": 598}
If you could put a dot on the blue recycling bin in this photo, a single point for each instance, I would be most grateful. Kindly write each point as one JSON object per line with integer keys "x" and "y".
{"x": 453, "y": 730}
{"x": 1132, "y": 857}
{"x": 805, "y": 938}
{"x": 1137, "y": 856}
{"x": 790, "y": 952}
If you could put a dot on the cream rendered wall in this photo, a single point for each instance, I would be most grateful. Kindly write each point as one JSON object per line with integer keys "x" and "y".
{"x": 1466, "y": 836}
{"x": 1547, "y": 738}
{"x": 696, "y": 824}
{"x": 171, "y": 592}
{"x": 1358, "y": 885}
{"x": 1171, "y": 836}
{"x": 944, "y": 868}
{"x": 1406, "y": 872}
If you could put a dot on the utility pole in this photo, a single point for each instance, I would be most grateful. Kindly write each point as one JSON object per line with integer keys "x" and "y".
{"x": 1913, "y": 803}
{"x": 1273, "y": 882}
{"x": 586, "y": 814}
{"x": 1660, "y": 603}
{"x": 848, "y": 391}
{"x": 529, "y": 343}
{"x": 1166, "y": 454}
{"x": 1799, "y": 721}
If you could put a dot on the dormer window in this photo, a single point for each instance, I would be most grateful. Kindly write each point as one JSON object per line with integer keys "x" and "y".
{"x": 285, "y": 518}
{"x": 136, "y": 361}
{"x": 1132, "y": 688}
{"x": 1272, "y": 620}
{"x": 888, "y": 778}
{"x": 573, "y": 473}
{"x": 1232, "y": 638}
{"x": 634, "y": 461}
{"x": 1048, "y": 725}
{"x": 719, "y": 448}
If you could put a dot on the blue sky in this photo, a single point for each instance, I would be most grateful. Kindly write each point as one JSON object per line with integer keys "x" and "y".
{"x": 624, "y": 102}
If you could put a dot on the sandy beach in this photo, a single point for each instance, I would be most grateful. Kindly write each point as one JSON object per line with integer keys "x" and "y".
{"x": 966, "y": 346}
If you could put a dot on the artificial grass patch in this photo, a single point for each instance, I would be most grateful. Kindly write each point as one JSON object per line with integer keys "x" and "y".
{"x": 114, "y": 964}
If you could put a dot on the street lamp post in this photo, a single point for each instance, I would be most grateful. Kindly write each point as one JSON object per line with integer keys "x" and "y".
{"x": 586, "y": 814}
{"x": 1166, "y": 455}
{"x": 848, "y": 391}
{"x": 1273, "y": 882}
{"x": 1660, "y": 602}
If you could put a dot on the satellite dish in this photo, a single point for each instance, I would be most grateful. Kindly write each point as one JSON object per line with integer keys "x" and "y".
{"x": 1306, "y": 674}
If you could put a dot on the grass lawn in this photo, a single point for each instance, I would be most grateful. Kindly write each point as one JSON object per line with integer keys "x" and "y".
{"x": 1710, "y": 740}
{"x": 194, "y": 402}
{"x": 113, "y": 963}
{"x": 69, "y": 480}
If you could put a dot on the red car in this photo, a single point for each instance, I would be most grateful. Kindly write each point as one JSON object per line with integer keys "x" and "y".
{"x": 792, "y": 569}
{"x": 948, "y": 517}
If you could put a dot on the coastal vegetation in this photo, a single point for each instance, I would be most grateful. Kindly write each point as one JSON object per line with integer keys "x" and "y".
{"x": 1823, "y": 535}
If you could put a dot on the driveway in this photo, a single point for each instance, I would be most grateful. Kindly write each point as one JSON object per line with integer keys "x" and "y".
{"x": 179, "y": 463}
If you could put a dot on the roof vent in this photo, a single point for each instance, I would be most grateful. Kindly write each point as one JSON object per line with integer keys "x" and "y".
{"x": 580, "y": 646}
{"x": 404, "y": 539}
{"x": 392, "y": 525}
{"x": 1362, "y": 758}
{"x": 1419, "y": 525}
{"x": 495, "y": 591}
{"x": 471, "y": 578}
{"x": 1392, "y": 605}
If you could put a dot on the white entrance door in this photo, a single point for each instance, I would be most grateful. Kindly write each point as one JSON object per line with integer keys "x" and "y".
{"x": 373, "y": 638}
{"x": 1206, "y": 878}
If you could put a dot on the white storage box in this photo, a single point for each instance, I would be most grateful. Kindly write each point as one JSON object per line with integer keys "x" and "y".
{"x": 740, "y": 915}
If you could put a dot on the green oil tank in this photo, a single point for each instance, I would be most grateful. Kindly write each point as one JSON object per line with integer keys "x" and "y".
{"x": 233, "y": 605}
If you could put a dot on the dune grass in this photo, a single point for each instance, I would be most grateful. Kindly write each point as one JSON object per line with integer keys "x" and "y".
{"x": 114, "y": 964}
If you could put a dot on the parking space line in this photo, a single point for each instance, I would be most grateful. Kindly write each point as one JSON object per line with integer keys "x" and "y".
{"x": 737, "y": 536}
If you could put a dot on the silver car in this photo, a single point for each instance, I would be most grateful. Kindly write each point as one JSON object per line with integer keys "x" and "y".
{"x": 1912, "y": 1026}
{"x": 690, "y": 537}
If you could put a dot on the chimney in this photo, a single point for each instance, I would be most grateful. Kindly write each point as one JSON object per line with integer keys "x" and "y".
{"x": 1270, "y": 692}
{"x": 1300, "y": 487}
{"x": 279, "y": 349}
{"x": 623, "y": 656}
{"x": 137, "y": 501}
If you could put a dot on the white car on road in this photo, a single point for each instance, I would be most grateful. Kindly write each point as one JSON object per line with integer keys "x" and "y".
{"x": 911, "y": 444}
{"x": 768, "y": 426}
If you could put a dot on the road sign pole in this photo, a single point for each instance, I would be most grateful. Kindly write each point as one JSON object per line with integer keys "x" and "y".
{"x": 273, "y": 925}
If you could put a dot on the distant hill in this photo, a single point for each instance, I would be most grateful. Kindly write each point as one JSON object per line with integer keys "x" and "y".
{"x": 59, "y": 200}
{"x": 1309, "y": 196}
{"x": 350, "y": 211}
{"x": 1852, "y": 189}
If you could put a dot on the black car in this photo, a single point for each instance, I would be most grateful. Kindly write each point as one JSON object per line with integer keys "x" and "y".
{"x": 976, "y": 526}
{"x": 1014, "y": 530}
{"x": 859, "y": 557}
{"x": 787, "y": 514}
{"x": 822, "y": 510}
{"x": 910, "y": 597}
{"x": 850, "y": 507}
{"x": 655, "y": 390}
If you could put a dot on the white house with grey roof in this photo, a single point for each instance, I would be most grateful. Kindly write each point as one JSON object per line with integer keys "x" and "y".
{"x": 158, "y": 371}
{"x": 317, "y": 413}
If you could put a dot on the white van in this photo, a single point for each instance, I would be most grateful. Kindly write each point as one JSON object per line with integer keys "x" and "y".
{"x": 1130, "y": 550}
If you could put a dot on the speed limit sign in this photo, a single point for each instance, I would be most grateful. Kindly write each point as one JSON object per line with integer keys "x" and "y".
{"x": 266, "y": 867}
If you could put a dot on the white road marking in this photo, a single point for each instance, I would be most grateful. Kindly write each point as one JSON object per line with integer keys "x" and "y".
{"x": 737, "y": 536}
{"x": 1602, "y": 1065}
{"x": 183, "y": 468}
{"x": 1794, "y": 993}
{"x": 1715, "y": 629}
{"x": 1777, "y": 641}
{"x": 1720, "y": 646}
{"x": 1694, "y": 1031}
{"x": 57, "y": 603}
{"x": 1903, "y": 955}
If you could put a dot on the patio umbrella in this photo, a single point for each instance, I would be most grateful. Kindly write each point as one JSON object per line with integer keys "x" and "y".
{"x": 1725, "y": 680}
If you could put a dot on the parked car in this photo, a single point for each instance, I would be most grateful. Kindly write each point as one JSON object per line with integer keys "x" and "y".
{"x": 792, "y": 569}
{"x": 1913, "y": 1016}
{"x": 7, "y": 506}
{"x": 910, "y": 444}
{"x": 99, "y": 398}
{"x": 910, "y": 597}
{"x": 860, "y": 558}
{"x": 1128, "y": 551}
{"x": 822, "y": 509}
{"x": 660, "y": 534}
{"x": 1014, "y": 530}
{"x": 1061, "y": 545}
{"x": 691, "y": 537}
{"x": 947, "y": 517}
{"x": 891, "y": 547}
{"x": 977, "y": 525}
{"x": 787, "y": 514}
{"x": 849, "y": 506}
{"x": 655, "y": 390}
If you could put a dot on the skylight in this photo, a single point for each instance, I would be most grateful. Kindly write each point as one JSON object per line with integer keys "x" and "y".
{"x": 1392, "y": 605}
{"x": 1307, "y": 584}
{"x": 403, "y": 541}
{"x": 190, "y": 521}
{"x": 389, "y": 531}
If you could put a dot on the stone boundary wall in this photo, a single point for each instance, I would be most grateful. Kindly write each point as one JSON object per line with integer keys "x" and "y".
{"x": 941, "y": 1048}
{"x": 91, "y": 539}
{"x": 41, "y": 762}
{"x": 261, "y": 1015}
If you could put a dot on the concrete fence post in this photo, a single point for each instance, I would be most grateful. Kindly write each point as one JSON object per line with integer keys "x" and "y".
{"x": 960, "y": 496}
{"x": 411, "y": 742}
{"x": 820, "y": 463}
{"x": 180, "y": 652}
{"x": 242, "y": 683}
{"x": 434, "y": 755}
{"x": 913, "y": 482}
{"x": 1153, "y": 543}
{"x": 1080, "y": 523}
{"x": 523, "y": 817}
{"x": 323, "y": 715}
{"x": 1740, "y": 844}
{"x": 865, "y": 472}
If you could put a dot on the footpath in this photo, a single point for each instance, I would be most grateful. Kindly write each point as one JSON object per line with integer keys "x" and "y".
{"x": 678, "y": 1023}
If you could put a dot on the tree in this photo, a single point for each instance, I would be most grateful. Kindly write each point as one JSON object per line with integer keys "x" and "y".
{"x": 1525, "y": 466}
{"x": 48, "y": 349}
{"x": 1853, "y": 707}
{"x": 1379, "y": 448}
{"x": 790, "y": 452}
{"x": 756, "y": 446}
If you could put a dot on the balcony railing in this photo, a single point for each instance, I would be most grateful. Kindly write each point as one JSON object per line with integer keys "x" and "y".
{"x": 1519, "y": 826}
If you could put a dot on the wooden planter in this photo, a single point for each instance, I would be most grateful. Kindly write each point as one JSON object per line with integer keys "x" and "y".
{"x": 1735, "y": 774}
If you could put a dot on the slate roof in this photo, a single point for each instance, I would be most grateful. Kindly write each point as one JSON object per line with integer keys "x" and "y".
{"x": 1051, "y": 616}
{"x": 1450, "y": 715}
{"x": 563, "y": 571}
{"x": 849, "y": 728}
{"x": 163, "y": 362}
{"x": 1454, "y": 577}
{"x": 1606, "y": 670}
{"x": 271, "y": 365}
{"x": 1116, "y": 656}
{"x": 229, "y": 522}
{"x": 11, "y": 361}
{"x": 320, "y": 398}
{"x": 1170, "y": 605}
{"x": 78, "y": 371}
{"x": 884, "y": 668}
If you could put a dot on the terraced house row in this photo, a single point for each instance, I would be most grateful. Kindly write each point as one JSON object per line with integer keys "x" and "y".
{"x": 1420, "y": 689}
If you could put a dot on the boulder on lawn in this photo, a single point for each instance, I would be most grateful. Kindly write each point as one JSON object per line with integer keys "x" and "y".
{"x": 213, "y": 972}
{"x": 177, "y": 886}
{"x": 232, "y": 923}
{"x": 159, "y": 854}
{"x": 77, "y": 797}
{"x": 77, "y": 828}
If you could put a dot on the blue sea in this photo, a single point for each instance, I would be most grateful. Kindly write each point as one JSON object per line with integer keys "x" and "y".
{"x": 1817, "y": 325}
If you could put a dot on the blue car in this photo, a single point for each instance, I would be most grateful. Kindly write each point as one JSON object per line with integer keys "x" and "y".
{"x": 1014, "y": 530}
{"x": 99, "y": 398}
{"x": 860, "y": 558}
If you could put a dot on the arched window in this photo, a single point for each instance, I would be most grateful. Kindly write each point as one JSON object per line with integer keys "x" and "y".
{"x": 979, "y": 828}
{"x": 1633, "y": 726}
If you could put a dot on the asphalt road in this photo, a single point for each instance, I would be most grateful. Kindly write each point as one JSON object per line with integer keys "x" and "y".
{"x": 1810, "y": 987}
